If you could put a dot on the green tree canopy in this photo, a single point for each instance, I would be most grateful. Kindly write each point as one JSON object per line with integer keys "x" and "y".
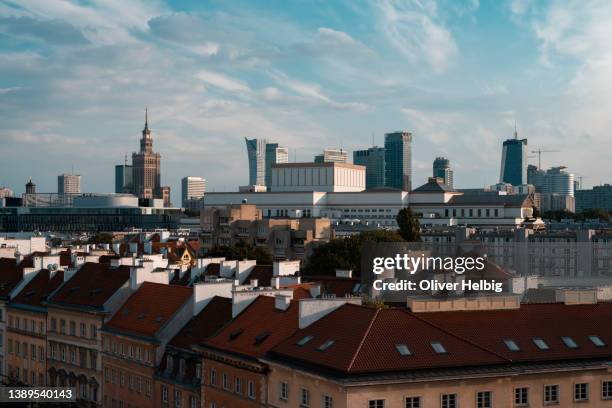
{"x": 242, "y": 250}
{"x": 408, "y": 223}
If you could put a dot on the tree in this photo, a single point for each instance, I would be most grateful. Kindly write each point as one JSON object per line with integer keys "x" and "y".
{"x": 242, "y": 250}
{"x": 345, "y": 253}
{"x": 101, "y": 238}
{"x": 409, "y": 227}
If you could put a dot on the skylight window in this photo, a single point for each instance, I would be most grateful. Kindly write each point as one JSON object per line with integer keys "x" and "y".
{"x": 597, "y": 341}
{"x": 403, "y": 350}
{"x": 511, "y": 344}
{"x": 304, "y": 340}
{"x": 325, "y": 345}
{"x": 438, "y": 347}
{"x": 261, "y": 337}
{"x": 233, "y": 335}
{"x": 540, "y": 343}
{"x": 569, "y": 342}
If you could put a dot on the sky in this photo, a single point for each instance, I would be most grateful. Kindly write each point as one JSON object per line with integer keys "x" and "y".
{"x": 76, "y": 76}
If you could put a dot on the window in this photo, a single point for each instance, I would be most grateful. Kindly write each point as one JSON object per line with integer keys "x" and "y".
{"x": 32, "y": 326}
{"x": 597, "y": 341}
{"x": 177, "y": 399}
{"x": 53, "y": 324}
{"x": 413, "y": 402}
{"x": 540, "y": 343}
{"x": 379, "y": 403}
{"x": 72, "y": 328}
{"x": 62, "y": 326}
{"x": 10, "y": 346}
{"x": 606, "y": 390}
{"x": 438, "y": 347}
{"x": 24, "y": 349}
{"x": 304, "y": 340}
{"x": 164, "y": 393}
{"x": 106, "y": 374}
{"x": 284, "y": 391}
{"x": 449, "y": 401}
{"x": 251, "y": 389}
{"x": 122, "y": 379}
{"x": 238, "y": 385}
{"x": 193, "y": 402}
{"x": 569, "y": 342}
{"x": 83, "y": 330}
{"x": 581, "y": 392}
{"x": 304, "y": 398}
{"x": 521, "y": 397}
{"x": 483, "y": 399}
{"x": 33, "y": 352}
{"x": 148, "y": 388}
{"x": 93, "y": 331}
{"x": 403, "y": 349}
{"x": 41, "y": 353}
{"x": 511, "y": 344}
{"x": 213, "y": 376}
{"x": 551, "y": 394}
{"x": 73, "y": 356}
{"x": 226, "y": 383}
{"x": 198, "y": 371}
{"x": 325, "y": 345}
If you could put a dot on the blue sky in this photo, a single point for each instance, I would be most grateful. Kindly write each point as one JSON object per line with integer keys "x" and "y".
{"x": 75, "y": 78}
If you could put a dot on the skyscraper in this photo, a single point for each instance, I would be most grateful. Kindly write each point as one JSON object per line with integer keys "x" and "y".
{"x": 146, "y": 166}
{"x": 262, "y": 155}
{"x": 192, "y": 188}
{"x": 68, "y": 184}
{"x": 514, "y": 161}
{"x": 442, "y": 169}
{"x": 398, "y": 160}
{"x": 123, "y": 178}
{"x": 537, "y": 178}
{"x": 374, "y": 161}
{"x": 331, "y": 156}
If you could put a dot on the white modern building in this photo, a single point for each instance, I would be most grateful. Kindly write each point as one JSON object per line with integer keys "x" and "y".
{"x": 192, "y": 188}
{"x": 324, "y": 177}
{"x": 332, "y": 156}
{"x": 68, "y": 184}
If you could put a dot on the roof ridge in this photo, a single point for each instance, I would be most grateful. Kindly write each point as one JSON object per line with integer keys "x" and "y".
{"x": 424, "y": 320}
{"x": 350, "y": 366}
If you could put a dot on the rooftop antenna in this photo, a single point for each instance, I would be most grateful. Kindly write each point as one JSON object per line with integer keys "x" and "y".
{"x": 515, "y": 132}
{"x": 125, "y": 158}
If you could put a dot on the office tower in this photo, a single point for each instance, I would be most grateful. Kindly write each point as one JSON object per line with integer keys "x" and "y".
{"x": 274, "y": 155}
{"x": 514, "y": 161}
{"x": 146, "y": 168}
{"x": 68, "y": 184}
{"x": 123, "y": 178}
{"x": 374, "y": 161}
{"x": 192, "y": 188}
{"x": 442, "y": 169}
{"x": 559, "y": 181}
{"x": 536, "y": 177}
{"x": 30, "y": 187}
{"x": 331, "y": 156}
{"x": 262, "y": 155}
{"x": 398, "y": 160}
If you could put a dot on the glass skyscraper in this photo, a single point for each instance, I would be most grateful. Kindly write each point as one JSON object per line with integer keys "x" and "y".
{"x": 514, "y": 161}
{"x": 398, "y": 160}
{"x": 262, "y": 155}
{"x": 374, "y": 161}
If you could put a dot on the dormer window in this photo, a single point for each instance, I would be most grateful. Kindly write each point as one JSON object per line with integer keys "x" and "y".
{"x": 182, "y": 366}
{"x": 169, "y": 363}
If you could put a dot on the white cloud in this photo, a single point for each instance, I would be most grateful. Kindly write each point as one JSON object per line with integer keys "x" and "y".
{"x": 415, "y": 29}
{"x": 222, "y": 81}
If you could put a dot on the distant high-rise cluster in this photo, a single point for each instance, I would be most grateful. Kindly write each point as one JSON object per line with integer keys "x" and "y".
{"x": 262, "y": 155}
{"x": 68, "y": 184}
{"x": 443, "y": 170}
{"x": 143, "y": 177}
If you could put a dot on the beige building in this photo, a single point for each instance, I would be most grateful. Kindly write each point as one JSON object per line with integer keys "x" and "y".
{"x": 285, "y": 238}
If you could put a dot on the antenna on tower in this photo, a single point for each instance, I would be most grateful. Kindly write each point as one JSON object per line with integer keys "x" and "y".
{"x": 125, "y": 158}
{"x": 146, "y": 116}
{"x": 515, "y": 132}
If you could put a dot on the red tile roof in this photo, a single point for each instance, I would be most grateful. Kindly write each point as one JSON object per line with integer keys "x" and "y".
{"x": 365, "y": 339}
{"x": 331, "y": 285}
{"x": 92, "y": 285}
{"x": 149, "y": 309}
{"x": 216, "y": 313}
{"x": 259, "y": 321}
{"x": 39, "y": 287}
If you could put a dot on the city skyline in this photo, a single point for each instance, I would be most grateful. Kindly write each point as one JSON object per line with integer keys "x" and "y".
{"x": 76, "y": 79}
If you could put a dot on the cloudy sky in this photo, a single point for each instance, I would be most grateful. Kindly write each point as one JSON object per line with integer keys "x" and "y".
{"x": 75, "y": 77}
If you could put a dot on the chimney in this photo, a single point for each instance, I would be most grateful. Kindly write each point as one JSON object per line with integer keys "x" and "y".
{"x": 18, "y": 257}
{"x": 204, "y": 292}
{"x": 282, "y": 302}
{"x": 116, "y": 248}
{"x": 275, "y": 282}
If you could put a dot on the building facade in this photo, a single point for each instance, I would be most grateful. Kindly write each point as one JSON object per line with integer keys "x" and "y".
{"x": 374, "y": 161}
{"x": 514, "y": 161}
{"x": 597, "y": 197}
{"x": 398, "y": 160}
{"x": 328, "y": 176}
{"x": 68, "y": 184}
{"x": 124, "y": 179}
{"x": 442, "y": 169}
{"x": 332, "y": 156}
{"x": 192, "y": 188}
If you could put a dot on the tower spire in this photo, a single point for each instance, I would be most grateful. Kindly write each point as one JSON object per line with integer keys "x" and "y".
{"x": 146, "y": 117}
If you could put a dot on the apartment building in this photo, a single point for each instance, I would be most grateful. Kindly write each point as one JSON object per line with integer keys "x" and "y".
{"x": 358, "y": 356}
{"x": 26, "y": 330}
{"x": 76, "y": 313}
{"x": 178, "y": 377}
{"x": 134, "y": 341}
{"x": 284, "y": 238}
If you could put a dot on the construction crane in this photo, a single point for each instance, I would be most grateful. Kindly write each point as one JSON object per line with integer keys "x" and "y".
{"x": 539, "y": 152}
